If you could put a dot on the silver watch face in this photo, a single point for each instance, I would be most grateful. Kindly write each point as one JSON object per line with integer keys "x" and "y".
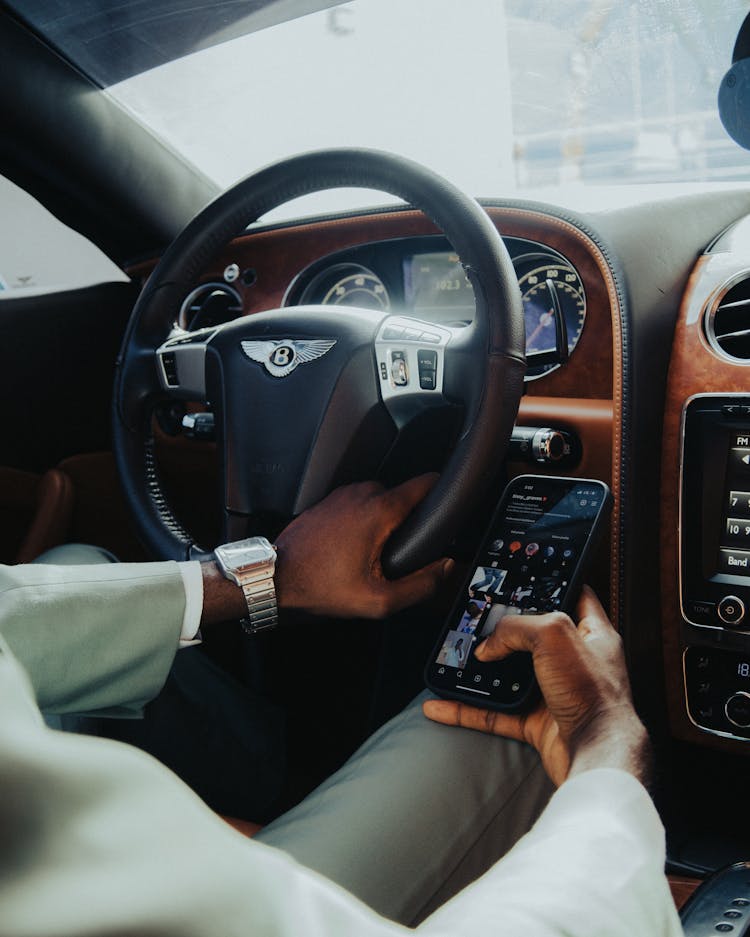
{"x": 244, "y": 553}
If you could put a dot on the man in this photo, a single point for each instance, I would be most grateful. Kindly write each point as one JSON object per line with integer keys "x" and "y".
{"x": 99, "y": 838}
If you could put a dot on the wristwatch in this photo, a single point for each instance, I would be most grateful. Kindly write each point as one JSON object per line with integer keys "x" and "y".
{"x": 251, "y": 564}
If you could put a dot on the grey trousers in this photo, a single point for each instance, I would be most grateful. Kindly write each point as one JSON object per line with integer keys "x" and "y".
{"x": 418, "y": 812}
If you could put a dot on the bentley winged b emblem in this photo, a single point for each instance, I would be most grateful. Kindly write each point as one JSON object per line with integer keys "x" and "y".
{"x": 282, "y": 357}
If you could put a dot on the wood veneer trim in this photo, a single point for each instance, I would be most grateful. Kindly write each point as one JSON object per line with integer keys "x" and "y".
{"x": 618, "y": 399}
{"x": 694, "y": 369}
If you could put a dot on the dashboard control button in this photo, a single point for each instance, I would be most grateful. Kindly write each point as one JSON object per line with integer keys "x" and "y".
{"x": 737, "y": 709}
{"x": 737, "y": 530}
{"x": 731, "y": 610}
{"x": 739, "y": 459}
{"x": 730, "y": 409}
{"x": 736, "y": 562}
{"x": 702, "y": 613}
{"x": 739, "y": 503}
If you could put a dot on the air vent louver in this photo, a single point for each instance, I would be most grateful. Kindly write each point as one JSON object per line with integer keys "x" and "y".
{"x": 210, "y": 304}
{"x": 728, "y": 321}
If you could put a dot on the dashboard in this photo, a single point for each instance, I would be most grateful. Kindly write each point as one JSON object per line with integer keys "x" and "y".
{"x": 419, "y": 277}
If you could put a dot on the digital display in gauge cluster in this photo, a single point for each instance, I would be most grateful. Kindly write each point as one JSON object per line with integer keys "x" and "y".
{"x": 437, "y": 288}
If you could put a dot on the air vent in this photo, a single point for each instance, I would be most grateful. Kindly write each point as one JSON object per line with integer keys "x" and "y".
{"x": 210, "y": 304}
{"x": 727, "y": 321}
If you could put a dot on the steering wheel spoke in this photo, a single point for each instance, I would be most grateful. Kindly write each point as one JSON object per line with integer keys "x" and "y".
{"x": 410, "y": 356}
{"x": 181, "y": 365}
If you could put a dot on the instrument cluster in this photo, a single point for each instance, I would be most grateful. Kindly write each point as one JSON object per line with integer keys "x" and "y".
{"x": 423, "y": 277}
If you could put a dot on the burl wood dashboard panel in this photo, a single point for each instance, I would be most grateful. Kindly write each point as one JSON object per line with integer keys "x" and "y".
{"x": 694, "y": 369}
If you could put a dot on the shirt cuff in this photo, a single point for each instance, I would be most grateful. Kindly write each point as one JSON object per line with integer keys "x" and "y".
{"x": 192, "y": 580}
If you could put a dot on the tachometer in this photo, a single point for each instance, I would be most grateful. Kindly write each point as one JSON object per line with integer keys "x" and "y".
{"x": 348, "y": 285}
{"x": 544, "y": 281}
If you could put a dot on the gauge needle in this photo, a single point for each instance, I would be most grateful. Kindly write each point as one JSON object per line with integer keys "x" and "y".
{"x": 544, "y": 321}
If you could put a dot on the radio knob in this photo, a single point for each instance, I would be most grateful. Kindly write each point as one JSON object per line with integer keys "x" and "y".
{"x": 737, "y": 709}
{"x": 731, "y": 610}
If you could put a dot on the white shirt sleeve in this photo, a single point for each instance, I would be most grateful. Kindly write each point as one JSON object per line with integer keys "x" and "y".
{"x": 592, "y": 865}
{"x": 192, "y": 579}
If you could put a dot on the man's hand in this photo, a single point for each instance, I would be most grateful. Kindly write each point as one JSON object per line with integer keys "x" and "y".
{"x": 329, "y": 557}
{"x": 587, "y": 718}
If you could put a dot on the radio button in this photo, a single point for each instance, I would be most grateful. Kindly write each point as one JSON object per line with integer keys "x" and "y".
{"x": 737, "y": 530}
{"x": 702, "y": 613}
{"x": 731, "y": 610}
{"x": 736, "y": 562}
{"x": 737, "y": 709}
{"x": 740, "y": 460}
{"x": 739, "y": 503}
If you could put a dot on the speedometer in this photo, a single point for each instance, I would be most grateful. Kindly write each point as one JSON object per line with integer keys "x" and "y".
{"x": 546, "y": 281}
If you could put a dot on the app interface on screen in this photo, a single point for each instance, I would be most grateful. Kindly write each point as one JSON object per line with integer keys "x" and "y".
{"x": 525, "y": 564}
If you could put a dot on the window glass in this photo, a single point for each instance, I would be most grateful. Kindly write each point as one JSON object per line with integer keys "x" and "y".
{"x": 38, "y": 253}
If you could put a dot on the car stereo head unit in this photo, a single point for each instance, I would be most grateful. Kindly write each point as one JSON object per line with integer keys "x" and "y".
{"x": 715, "y": 512}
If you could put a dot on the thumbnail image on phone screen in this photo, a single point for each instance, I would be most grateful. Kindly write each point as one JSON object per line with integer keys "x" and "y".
{"x": 530, "y": 562}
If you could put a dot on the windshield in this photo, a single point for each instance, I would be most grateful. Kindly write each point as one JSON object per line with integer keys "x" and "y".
{"x": 502, "y": 98}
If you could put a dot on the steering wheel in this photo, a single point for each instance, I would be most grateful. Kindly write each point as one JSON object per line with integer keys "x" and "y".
{"x": 300, "y": 393}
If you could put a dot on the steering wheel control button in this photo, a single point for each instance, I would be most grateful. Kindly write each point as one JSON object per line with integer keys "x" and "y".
{"x": 399, "y": 369}
{"x": 406, "y": 367}
{"x": 427, "y": 364}
{"x": 169, "y": 366}
{"x": 731, "y": 609}
{"x": 737, "y": 709}
{"x": 735, "y": 562}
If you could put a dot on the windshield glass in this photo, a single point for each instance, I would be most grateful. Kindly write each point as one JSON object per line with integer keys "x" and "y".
{"x": 503, "y": 98}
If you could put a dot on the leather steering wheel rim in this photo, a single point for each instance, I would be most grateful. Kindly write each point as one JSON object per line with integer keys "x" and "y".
{"x": 488, "y": 363}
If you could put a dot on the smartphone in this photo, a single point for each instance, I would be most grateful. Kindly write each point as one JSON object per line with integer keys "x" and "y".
{"x": 531, "y": 561}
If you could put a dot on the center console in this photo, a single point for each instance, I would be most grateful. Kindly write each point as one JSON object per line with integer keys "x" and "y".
{"x": 715, "y": 562}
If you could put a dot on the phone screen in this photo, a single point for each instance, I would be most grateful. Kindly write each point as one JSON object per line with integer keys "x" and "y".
{"x": 531, "y": 562}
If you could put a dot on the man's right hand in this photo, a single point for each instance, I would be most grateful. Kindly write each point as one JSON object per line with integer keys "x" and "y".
{"x": 587, "y": 718}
